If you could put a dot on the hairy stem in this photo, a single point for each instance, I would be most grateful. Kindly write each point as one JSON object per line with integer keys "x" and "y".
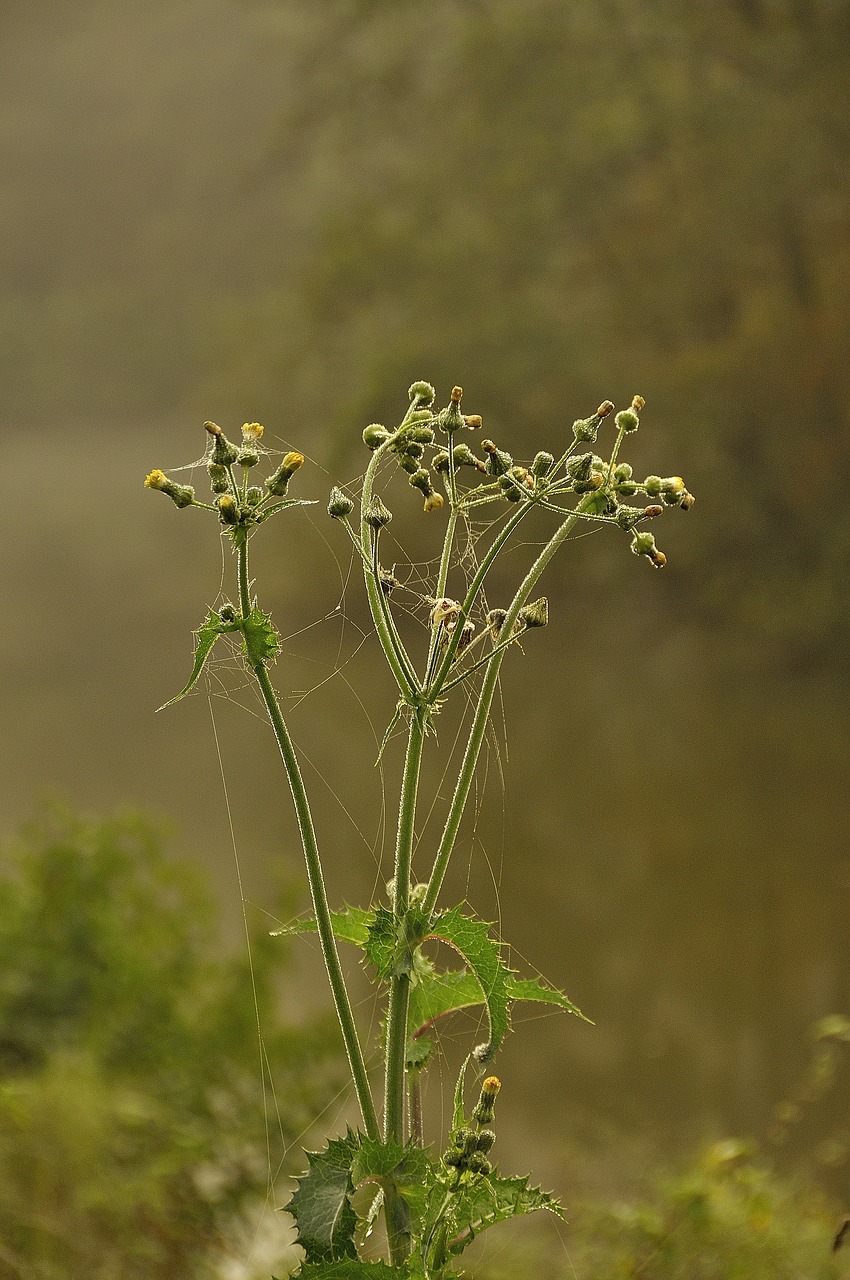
{"x": 314, "y": 872}
{"x": 482, "y": 713}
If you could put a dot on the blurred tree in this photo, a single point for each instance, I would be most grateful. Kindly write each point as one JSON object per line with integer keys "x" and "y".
{"x": 133, "y": 1115}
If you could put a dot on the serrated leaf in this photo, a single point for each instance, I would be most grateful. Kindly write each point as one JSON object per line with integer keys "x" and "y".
{"x": 321, "y": 1206}
{"x": 484, "y": 1201}
{"x": 440, "y": 993}
{"x": 471, "y": 938}
{"x": 408, "y": 1168}
{"x": 459, "y": 1117}
{"x": 349, "y": 925}
{"x": 419, "y": 1050}
{"x": 351, "y": 1269}
{"x": 390, "y": 946}
{"x": 260, "y": 640}
{"x": 206, "y": 636}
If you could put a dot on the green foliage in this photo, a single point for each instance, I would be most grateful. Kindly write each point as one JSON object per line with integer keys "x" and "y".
{"x": 321, "y": 1206}
{"x": 132, "y": 1128}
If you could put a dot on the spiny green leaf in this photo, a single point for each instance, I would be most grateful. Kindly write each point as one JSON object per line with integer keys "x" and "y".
{"x": 439, "y": 993}
{"x": 408, "y": 1168}
{"x": 260, "y": 640}
{"x": 483, "y": 1201}
{"x": 471, "y": 938}
{"x": 352, "y": 924}
{"x": 459, "y": 1113}
{"x": 390, "y": 946}
{"x": 321, "y": 1206}
{"x": 206, "y": 636}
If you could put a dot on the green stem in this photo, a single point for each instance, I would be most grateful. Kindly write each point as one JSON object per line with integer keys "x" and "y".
{"x": 373, "y": 587}
{"x": 314, "y": 871}
{"x": 445, "y": 562}
{"x": 389, "y": 622}
{"x": 399, "y": 999}
{"x": 482, "y": 713}
{"x": 433, "y": 690}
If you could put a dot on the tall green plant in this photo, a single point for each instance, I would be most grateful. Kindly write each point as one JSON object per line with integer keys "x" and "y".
{"x": 433, "y": 1205}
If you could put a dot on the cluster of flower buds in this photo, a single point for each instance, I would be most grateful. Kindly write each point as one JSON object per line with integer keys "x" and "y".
{"x": 470, "y": 1146}
{"x": 534, "y": 614}
{"x": 238, "y": 504}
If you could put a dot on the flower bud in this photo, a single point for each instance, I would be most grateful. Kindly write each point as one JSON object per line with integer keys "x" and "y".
{"x": 228, "y": 612}
{"x": 223, "y": 452}
{"x": 433, "y": 502}
{"x": 464, "y": 457}
{"x": 484, "y": 1141}
{"x": 339, "y": 504}
{"x": 638, "y": 404}
{"x": 672, "y": 489}
{"x": 453, "y": 1159}
{"x": 277, "y": 482}
{"x": 474, "y": 421}
{"x": 252, "y": 432}
{"x": 377, "y": 515}
{"x": 422, "y": 435}
{"x": 254, "y": 496}
{"x": 478, "y": 1163}
{"x": 652, "y": 486}
{"x": 542, "y": 464}
{"x": 451, "y": 418}
{"x": 586, "y": 428}
{"x": 653, "y": 510}
{"x": 627, "y": 421}
{"x": 375, "y": 435}
{"x": 421, "y": 480}
{"x": 247, "y": 457}
{"x": 218, "y": 477}
{"x": 499, "y": 463}
{"x": 483, "y": 1113}
{"x": 495, "y": 621}
{"x": 535, "y": 614}
{"x": 686, "y": 501}
{"x": 466, "y": 633}
{"x": 421, "y": 394}
{"x": 628, "y": 517}
{"x": 182, "y": 495}
{"x": 643, "y": 544}
{"x": 408, "y": 462}
{"x": 228, "y": 512}
{"x": 440, "y": 461}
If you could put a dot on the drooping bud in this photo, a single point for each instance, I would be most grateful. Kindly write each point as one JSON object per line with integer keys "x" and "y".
{"x": 643, "y": 544}
{"x": 182, "y": 495}
{"x": 228, "y": 512}
{"x": 339, "y": 504}
{"x": 277, "y": 482}
{"x": 421, "y": 395}
{"x": 653, "y": 510}
{"x": 223, "y": 452}
{"x": 495, "y": 621}
{"x": 409, "y": 462}
{"x": 628, "y": 517}
{"x": 499, "y": 462}
{"x": 474, "y": 421}
{"x": 535, "y": 614}
{"x": 377, "y": 515}
{"x": 686, "y": 501}
{"x": 375, "y": 435}
{"x": 421, "y": 479}
{"x": 433, "y": 502}
{"x": 464, "y": 457}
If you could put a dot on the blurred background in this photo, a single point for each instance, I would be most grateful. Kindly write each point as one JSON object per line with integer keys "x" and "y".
{"x": 286, "y": 213}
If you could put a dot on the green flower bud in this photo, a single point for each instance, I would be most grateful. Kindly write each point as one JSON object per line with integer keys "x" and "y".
{"x": 254, "y": 496}
{"x": 440, "y": 461}
{"x": 542, "y": 464}
{"x": 223, "y": 452}
{"x": 464, "y": 457}
{"x": 535, "y": 614}
{"x": 579, "y": 468}
{"x": 422, "y": 435}
{"x": 627, "y": 421}
{"x": 628, "y": 517}
{"x": 643, "y": 544}
{"x": 586, "y": 429}
{"x": 228, "y": 512}
{"x": 451, "y": 418}
{"x": 414, "y": 416}
{"x": 485, "y": 1140}
{"x": 453, "y": 1159}
{"x": 228, "y": 612}
{"x": 652, "y": 486}
{"x": 408, "y": 463}
{"x": 421, "y": 480}
{"x": 499, "y": 463}
{"x": 247, "y": 457}
{"x": 182, "y": 495}
{"x": 622, "y": 471}
{"x": 218, "y": 477}
{"x": 464, "y": 1138}
{"x": 278, "y": 482}
{"x": 478, "y": 1163}
{"x": 375, "y": 435}
{"x": 422, "y": 394}
{"x": 672, "y": 489}
{"x": 377, "y": 515}
{"x": 339, "y": 505}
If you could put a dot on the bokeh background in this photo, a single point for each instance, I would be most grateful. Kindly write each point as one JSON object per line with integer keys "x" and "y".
{"x": 286, "y": 213}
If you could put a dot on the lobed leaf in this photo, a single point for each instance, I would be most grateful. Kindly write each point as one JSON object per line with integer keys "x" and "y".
{"x": 352, "y": 925}
{"x": 321, "y": 1206}
{"x": 483, "y": 1201}
{"x": 206, "y": 636}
